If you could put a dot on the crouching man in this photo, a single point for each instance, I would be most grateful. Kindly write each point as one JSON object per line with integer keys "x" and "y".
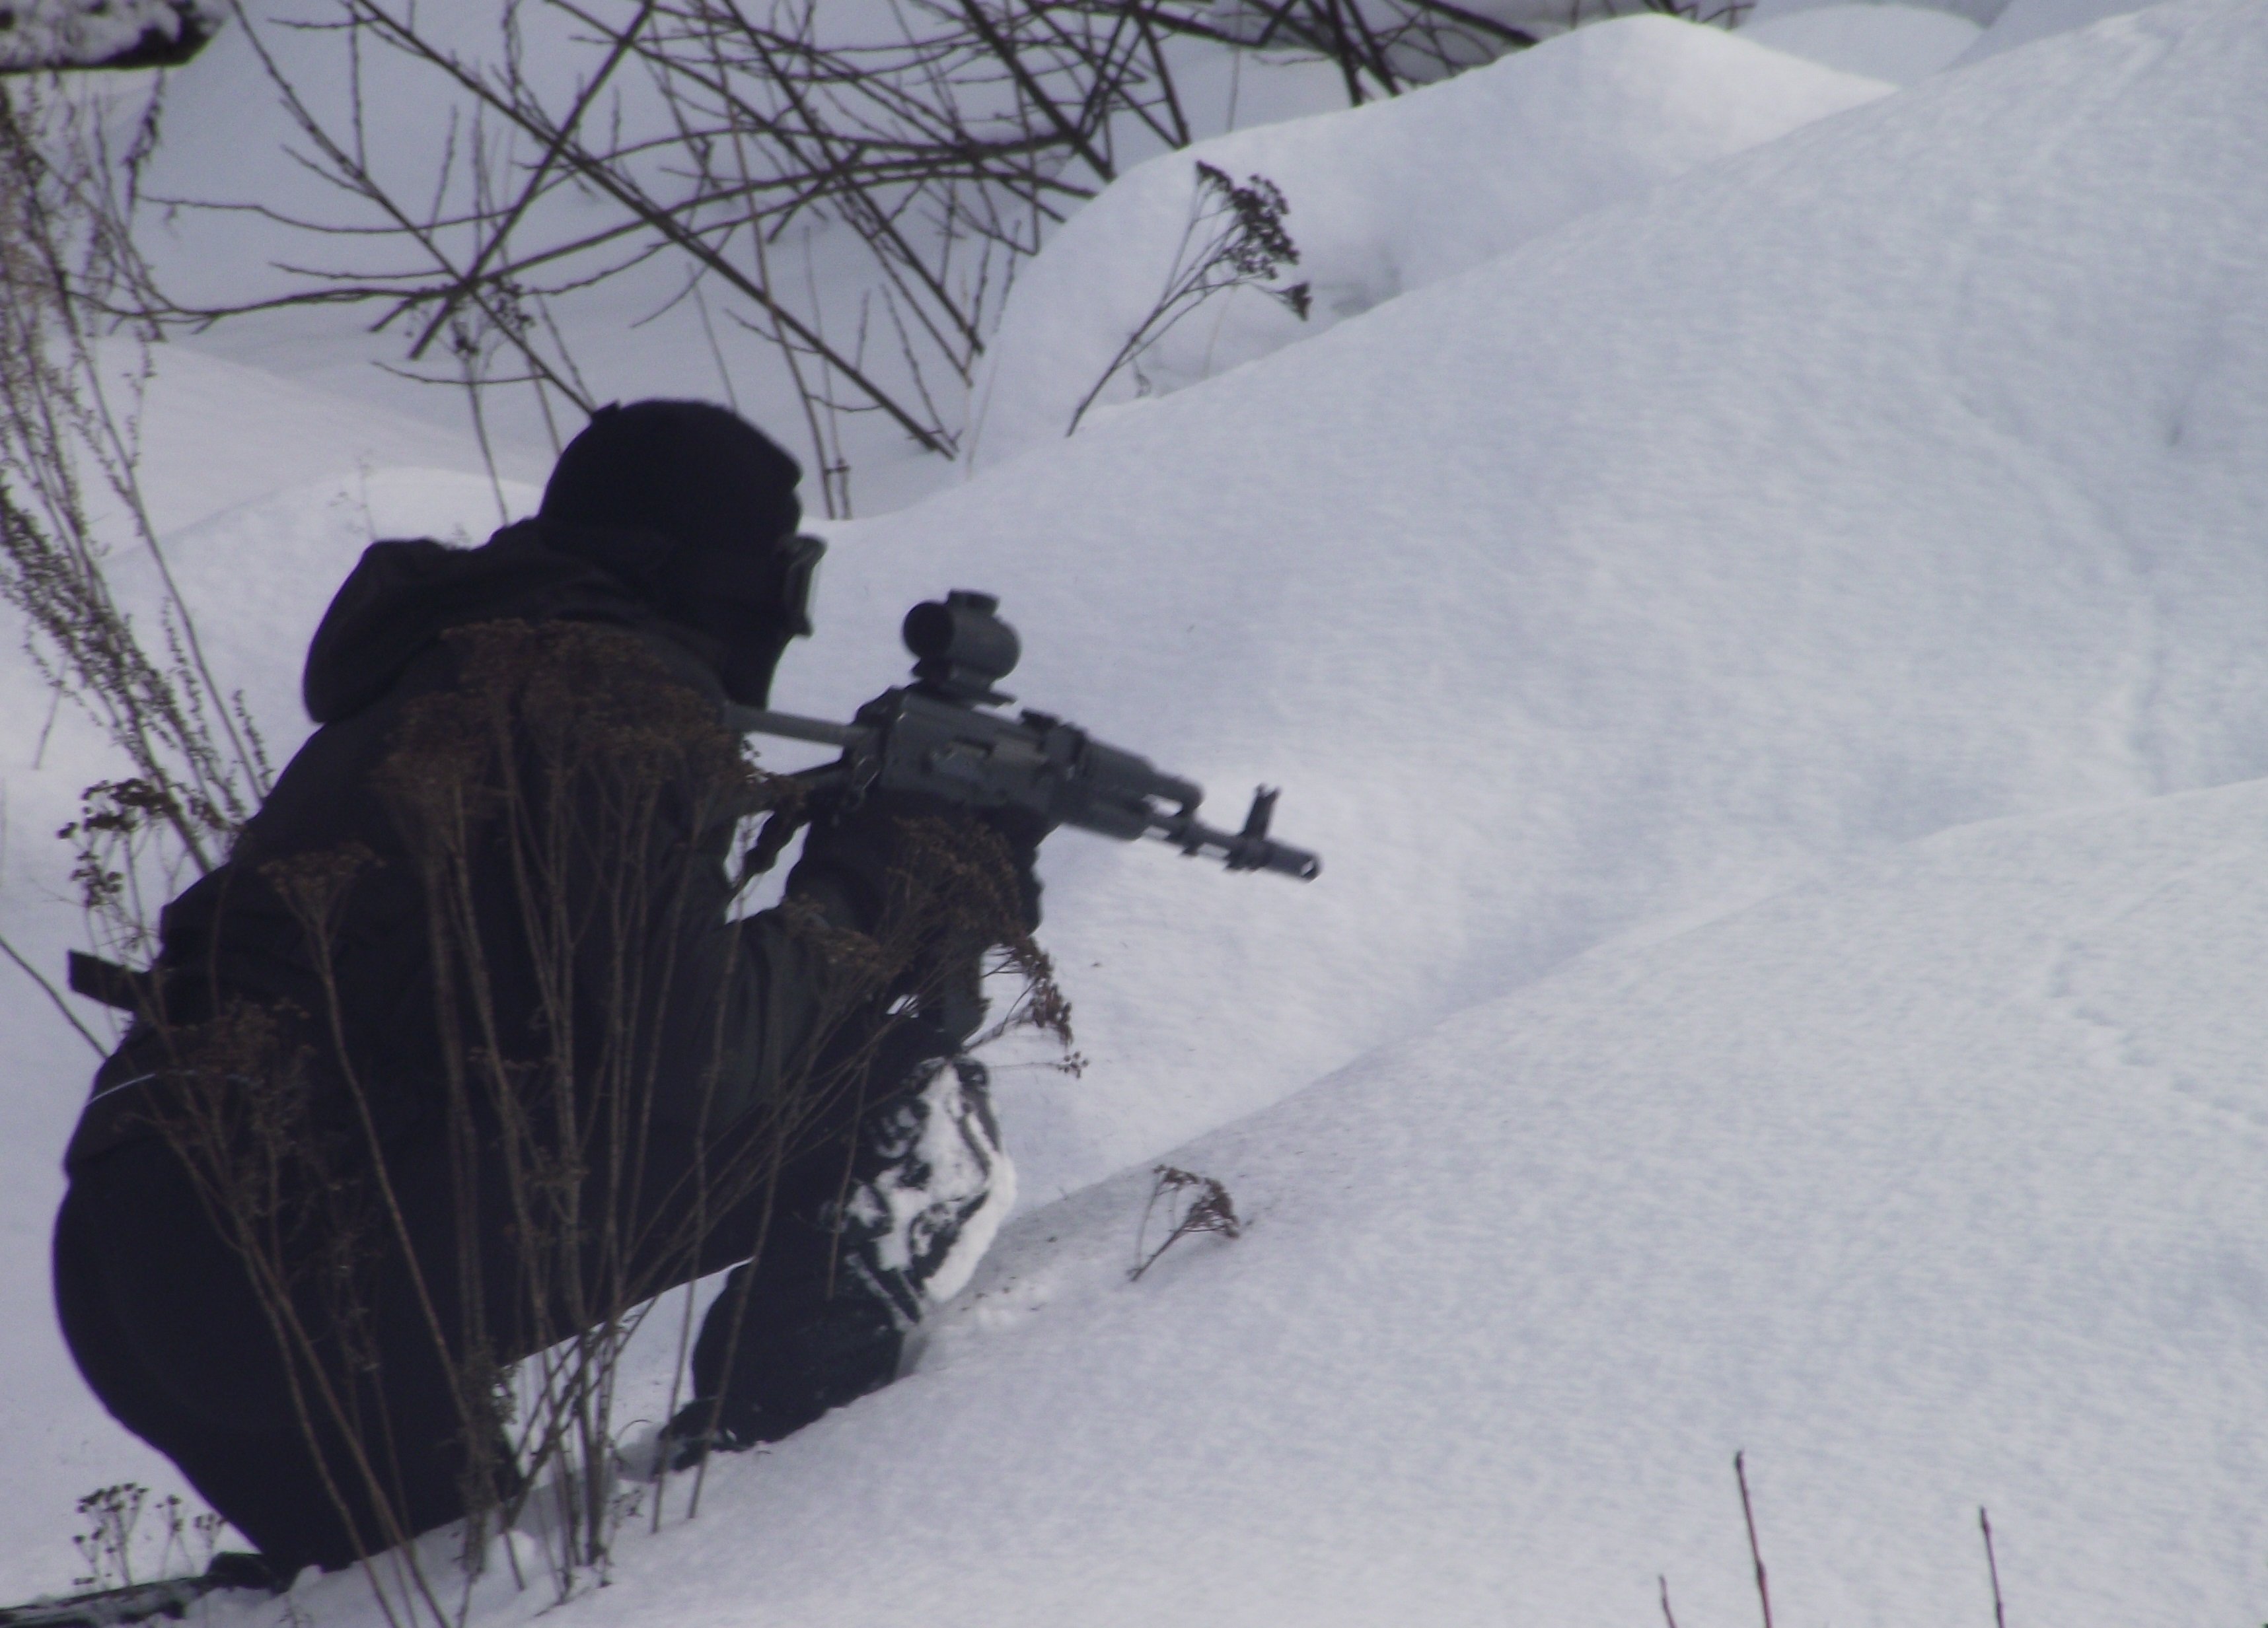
{"x": 462, "y": 1055}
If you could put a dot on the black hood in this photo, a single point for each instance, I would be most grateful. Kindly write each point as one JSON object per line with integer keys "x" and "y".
{"x": 404, "y": 596}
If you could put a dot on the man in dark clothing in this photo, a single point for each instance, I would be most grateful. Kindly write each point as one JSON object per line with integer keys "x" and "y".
{"x": 462, "y": 1053}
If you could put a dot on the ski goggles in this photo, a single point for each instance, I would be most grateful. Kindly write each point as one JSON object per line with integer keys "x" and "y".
{"x": 798, "y": 558}
{"x": 775, "y": 579}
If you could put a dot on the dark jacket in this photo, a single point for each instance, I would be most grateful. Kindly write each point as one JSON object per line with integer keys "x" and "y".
{"x": 719, "y": 1010}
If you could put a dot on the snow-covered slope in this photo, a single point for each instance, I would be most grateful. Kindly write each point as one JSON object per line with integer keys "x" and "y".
{"x": 1904, "y": 472}
{"x": 1933, "y": 1187}
{"x": 1390, "y": 198}
{"x": 1629, "y": 617}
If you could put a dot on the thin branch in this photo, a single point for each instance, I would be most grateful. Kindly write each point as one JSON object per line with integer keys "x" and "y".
{"x": 1992, "y": 1565}
{"x": 55, "y": 995}
{"x": 1756, "y": 1554}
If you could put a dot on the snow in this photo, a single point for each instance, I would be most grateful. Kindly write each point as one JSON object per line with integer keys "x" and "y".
{"x": 1549, "y": 621}
{"x": 53, "y": 34}
{"x": 1899, "y": 43}
{"x": 260, "y": 433}
{"x": 1981, "y": 12}
{"x": 1769, "y": 655}
{"x": 1386, "y": 200}
{"x": 633, "y": 336}
{"x": 1984, "y": 1124}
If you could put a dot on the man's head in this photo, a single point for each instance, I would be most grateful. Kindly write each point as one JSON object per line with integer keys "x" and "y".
{"x": 695, "y": 510}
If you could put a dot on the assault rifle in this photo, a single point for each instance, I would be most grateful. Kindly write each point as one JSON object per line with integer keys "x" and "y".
{"x": 935, "y": 735}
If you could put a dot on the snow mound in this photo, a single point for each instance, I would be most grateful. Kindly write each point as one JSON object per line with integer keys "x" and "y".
{"x": 1386, "y": 198}
{"x": 220, "y": 434}
{"x": 1905, "y": 473}
{"x": 1930, "y": 1188}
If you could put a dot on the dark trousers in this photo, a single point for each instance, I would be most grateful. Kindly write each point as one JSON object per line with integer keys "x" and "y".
{"x": 160, "y": 1312}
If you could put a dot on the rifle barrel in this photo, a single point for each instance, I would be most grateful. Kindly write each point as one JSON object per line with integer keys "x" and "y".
{"x": 791, "y": 726}
{"x": 1243, "y": 853}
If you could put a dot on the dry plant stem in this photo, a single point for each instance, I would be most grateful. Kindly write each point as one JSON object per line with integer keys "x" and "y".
{"x": 1728, "y": 15}
{"x": 1669, "y": 1617}
{"x": 1245, "y": 245}
{"x": 194, "y": 763}
{"x": 1756, "y": 1554}
{"x": 196, "y": 766}
{"x": 1993, "y": 1565}
{"x": 670, "y": 223}
{"x": 1206, "y": 1208}
{"x": 349, "y": 168}
{"x": 54, "y": 203}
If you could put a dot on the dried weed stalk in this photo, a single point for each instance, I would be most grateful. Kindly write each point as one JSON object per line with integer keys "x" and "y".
{"x": 70, "y": 389}
{"x": 1194, "y": 1204}
{"x": 1235, "y": 239}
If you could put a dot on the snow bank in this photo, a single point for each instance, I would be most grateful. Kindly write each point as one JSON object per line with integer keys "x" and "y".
{"x": 1904, "y": 472}
{"x": 1930, "y": 1188}
{"x": 1385, "y": 199}
{"x": 220, "y": 434}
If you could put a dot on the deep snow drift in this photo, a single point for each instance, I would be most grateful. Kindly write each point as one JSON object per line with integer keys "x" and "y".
{"x": 1979, "y": 1222}
{"x": 1624, "y": 614}
{"x": 1384, "y": 200}
{"x": 1904, "y": 471}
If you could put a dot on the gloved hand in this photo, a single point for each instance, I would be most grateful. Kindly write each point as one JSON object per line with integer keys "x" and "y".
{"x": 849, "y": 856}
{"x": 1023, "y": 832}
{"x": 927, "y": 878}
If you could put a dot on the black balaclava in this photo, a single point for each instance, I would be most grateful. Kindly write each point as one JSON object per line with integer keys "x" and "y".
{"x": 689, "y": 504}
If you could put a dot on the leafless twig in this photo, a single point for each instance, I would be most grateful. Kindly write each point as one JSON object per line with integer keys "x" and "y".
{"x": 1993, "y": 1565}
{"x": 1198, "y": 1203}
{"x": 1756, "y": 1554}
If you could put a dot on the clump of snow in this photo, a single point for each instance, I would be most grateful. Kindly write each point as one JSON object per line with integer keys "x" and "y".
{"x": 92, "y": 33}
{"x": 1386, "y": 198}
{"x": 1897, "y": 43}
